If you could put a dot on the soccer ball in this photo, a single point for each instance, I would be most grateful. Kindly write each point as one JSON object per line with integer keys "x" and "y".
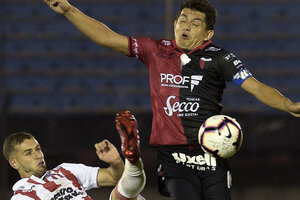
{"x": 220, "y": 136}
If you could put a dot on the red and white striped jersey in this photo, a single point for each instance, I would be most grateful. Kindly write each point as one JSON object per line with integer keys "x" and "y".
{"x": 66, "y": 181}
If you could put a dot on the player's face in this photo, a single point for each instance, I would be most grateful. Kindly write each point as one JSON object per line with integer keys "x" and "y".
{"x": 190, "y": 29}
{"x": 29, "y": 159}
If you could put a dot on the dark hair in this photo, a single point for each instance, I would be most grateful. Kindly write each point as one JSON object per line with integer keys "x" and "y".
{"x": 203, "y": 6}
{"x": 12, "y": 140}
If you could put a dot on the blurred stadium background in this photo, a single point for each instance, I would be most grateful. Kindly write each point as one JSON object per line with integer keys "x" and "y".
{"x": 65, "y": 89}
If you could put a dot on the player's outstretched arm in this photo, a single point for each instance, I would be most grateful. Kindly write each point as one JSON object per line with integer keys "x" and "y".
{"x": 271, "y": 97}
{"x": 93, "y": 29}
{"x": 109, "y": 154}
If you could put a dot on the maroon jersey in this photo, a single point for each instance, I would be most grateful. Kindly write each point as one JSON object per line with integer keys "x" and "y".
{"x": 185, "y": 87}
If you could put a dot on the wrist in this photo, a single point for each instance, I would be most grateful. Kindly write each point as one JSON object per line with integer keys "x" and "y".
{"x": 70, "y": 11}
{"x": 116, "y": 162}
{"x": 288, "y": 104}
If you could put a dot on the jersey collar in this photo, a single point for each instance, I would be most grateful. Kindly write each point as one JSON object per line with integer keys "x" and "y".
{"x": 23, "y": 183}
{"x": 201, "y": 47}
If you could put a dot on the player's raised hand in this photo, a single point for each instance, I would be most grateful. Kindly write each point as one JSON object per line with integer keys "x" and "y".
{"x": 107, "y": 152}
{"x": 294, "y": 109}
{"x": 59, "y": 6}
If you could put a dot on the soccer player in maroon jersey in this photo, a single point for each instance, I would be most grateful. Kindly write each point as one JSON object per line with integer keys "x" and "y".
{"x": 71, "y": 181}
{"x": 187, "y": 78}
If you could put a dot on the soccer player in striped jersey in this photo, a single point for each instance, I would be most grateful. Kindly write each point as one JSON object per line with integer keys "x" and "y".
{"x": 71, "y": 181}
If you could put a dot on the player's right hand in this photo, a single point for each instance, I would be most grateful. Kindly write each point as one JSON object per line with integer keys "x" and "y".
{"x": 107, "y": 152}
{"x": 59, "y": 6}
{"x": 294, "y": 109}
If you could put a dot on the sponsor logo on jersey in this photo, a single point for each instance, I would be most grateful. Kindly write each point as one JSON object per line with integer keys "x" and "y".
{"x": 66, "y": 193}
{"x": 212, "y": 49}
{"x": 170, "y": 80}
{"x": 195, "y": 80}
{"x": 231, "y": 57}
{"x": 238, "y": 63}
{"x": 228, "y": 57}
{"x": 23, "y": 188}
{"x": 185, "y": 108}
{"x": 199, "y": 162}
{"x": 166, "y": 42}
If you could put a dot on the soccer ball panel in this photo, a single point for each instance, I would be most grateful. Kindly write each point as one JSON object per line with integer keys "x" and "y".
{"x": 220, "y": 136}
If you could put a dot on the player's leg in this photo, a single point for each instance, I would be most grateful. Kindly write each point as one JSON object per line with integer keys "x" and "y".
{"x": 183, "y": 189}
{"x": 133, "y": 179}
{"x": 217, "y": 185}
{"x": 132, "y": 182}
{"x": 175, "y": 179}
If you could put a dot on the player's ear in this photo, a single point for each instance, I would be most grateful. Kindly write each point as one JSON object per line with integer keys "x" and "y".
{"x": 175, "y": 22}
{"x": 209, "y": 35}
{"x": 14, "y": 163}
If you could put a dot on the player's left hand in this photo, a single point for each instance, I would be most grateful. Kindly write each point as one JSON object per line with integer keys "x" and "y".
{"x": 107, "y": 152}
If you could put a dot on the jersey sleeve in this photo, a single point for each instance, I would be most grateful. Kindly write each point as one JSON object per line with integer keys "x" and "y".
{"x": 141, "y": 48}
{"x": 87, "y": 176}
{"x": 233, "y": 69}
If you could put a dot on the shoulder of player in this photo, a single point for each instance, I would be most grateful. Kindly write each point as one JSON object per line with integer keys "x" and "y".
{"x": 215, "y": 50}
{"x": 69, "y": 166}
{"x": 22, "y": 184}
{"x": 160, "y": 42}
{"x": 220, "y": 53}
{"x": 150, "y": 43}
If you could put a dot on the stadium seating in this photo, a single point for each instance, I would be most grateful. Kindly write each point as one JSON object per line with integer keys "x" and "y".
{"x": 49, "y": 66}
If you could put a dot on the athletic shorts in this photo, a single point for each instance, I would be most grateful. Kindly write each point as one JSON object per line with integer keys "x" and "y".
{"x": 185, "y": 170}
